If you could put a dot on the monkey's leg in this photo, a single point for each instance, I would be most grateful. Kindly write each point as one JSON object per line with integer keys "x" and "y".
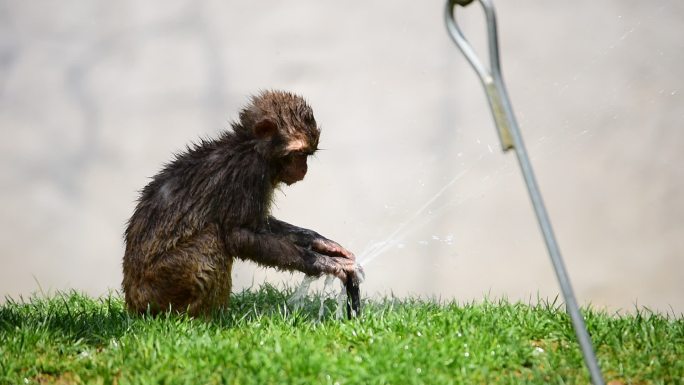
{"x": 281, "y": 251}
{"x": 195, "y": 277}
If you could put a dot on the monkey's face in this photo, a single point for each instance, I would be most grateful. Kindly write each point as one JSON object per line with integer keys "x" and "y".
{"x": 294, "y": 168}
{"x": 294, "y": 152}
{"x": 286, "y": 128}
{"x": 287, "y": 132}
{"x": 288, "y": 150}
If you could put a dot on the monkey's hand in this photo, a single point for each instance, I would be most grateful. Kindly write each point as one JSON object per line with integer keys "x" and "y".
{"x": 333, "y": 249}
{"x": 331, "y": 256}
{"x": 331, "y": 260}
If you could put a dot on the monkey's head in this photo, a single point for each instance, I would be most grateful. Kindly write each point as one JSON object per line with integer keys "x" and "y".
{"x": 284, "y": 129}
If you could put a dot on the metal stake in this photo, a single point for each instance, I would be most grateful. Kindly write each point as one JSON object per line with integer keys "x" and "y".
{"x": 510, "y": 138}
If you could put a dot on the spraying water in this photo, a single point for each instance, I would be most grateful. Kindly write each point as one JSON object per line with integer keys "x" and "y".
{"x": 378, "y": 248}
{"x": 368, "y": 255}
{"x": 297, "y": 299}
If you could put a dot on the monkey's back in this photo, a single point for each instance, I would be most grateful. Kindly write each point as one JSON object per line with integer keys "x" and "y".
{"x": 174, "y": 255}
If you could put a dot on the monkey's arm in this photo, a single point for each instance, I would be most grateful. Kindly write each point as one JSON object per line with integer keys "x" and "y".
{"x": 308, "y": 238}
{"x": 279, "y": 250}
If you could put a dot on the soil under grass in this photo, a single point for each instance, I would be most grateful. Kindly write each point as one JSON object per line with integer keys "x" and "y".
{"x": 73, "y": 338}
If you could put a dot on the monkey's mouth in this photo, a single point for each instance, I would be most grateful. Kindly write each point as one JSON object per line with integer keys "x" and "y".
{"x": 292, "y": 179}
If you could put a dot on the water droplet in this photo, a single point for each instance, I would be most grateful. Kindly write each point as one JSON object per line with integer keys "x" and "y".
{"x": 419, "y": 334}
{"x": 467, "y": 354}
{"x": 418, "y": 370}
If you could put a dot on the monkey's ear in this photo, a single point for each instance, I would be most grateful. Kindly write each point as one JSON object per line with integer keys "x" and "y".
{"x": 265, "y": 129}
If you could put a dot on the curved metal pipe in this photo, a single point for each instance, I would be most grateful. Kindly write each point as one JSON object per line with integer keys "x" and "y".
{"x": 511, "y": 138}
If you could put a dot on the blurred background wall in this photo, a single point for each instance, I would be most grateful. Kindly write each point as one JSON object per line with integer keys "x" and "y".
{"x": 96, "y": 95}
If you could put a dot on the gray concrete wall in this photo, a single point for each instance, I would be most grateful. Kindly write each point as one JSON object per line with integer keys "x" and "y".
{"x": 96, "y": 95}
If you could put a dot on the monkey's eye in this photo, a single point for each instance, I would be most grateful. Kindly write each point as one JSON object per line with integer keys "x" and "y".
{"x": 301, "y": 153}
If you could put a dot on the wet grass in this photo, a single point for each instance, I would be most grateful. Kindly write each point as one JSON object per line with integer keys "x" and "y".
{"x": 72, "y": 338}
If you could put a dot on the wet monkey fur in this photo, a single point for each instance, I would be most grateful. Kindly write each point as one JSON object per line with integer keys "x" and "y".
{"x": 211, "y": 204}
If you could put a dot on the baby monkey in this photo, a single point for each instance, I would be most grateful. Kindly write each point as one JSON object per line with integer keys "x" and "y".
{"x": 211, "y": 204}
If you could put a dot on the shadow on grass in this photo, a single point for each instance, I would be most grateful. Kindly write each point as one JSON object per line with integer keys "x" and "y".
{"x": 73, "y": 316}
{"x": 70, "y": 316}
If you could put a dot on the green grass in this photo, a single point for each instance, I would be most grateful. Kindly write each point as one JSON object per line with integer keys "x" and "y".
{"x": 73, "y": 338}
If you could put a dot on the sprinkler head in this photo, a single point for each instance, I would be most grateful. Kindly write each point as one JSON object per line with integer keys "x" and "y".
{"x": 353, "y": 295}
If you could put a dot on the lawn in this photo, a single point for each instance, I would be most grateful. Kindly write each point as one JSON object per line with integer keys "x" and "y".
{"x": 72, "y": 338}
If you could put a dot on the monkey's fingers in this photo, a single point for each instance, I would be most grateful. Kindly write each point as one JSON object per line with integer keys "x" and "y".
{"x": 349, "y": 269}
{"x": 332, "y": 249}
{"x": 358, "y": 275}
{"x": 340, "y": 267}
